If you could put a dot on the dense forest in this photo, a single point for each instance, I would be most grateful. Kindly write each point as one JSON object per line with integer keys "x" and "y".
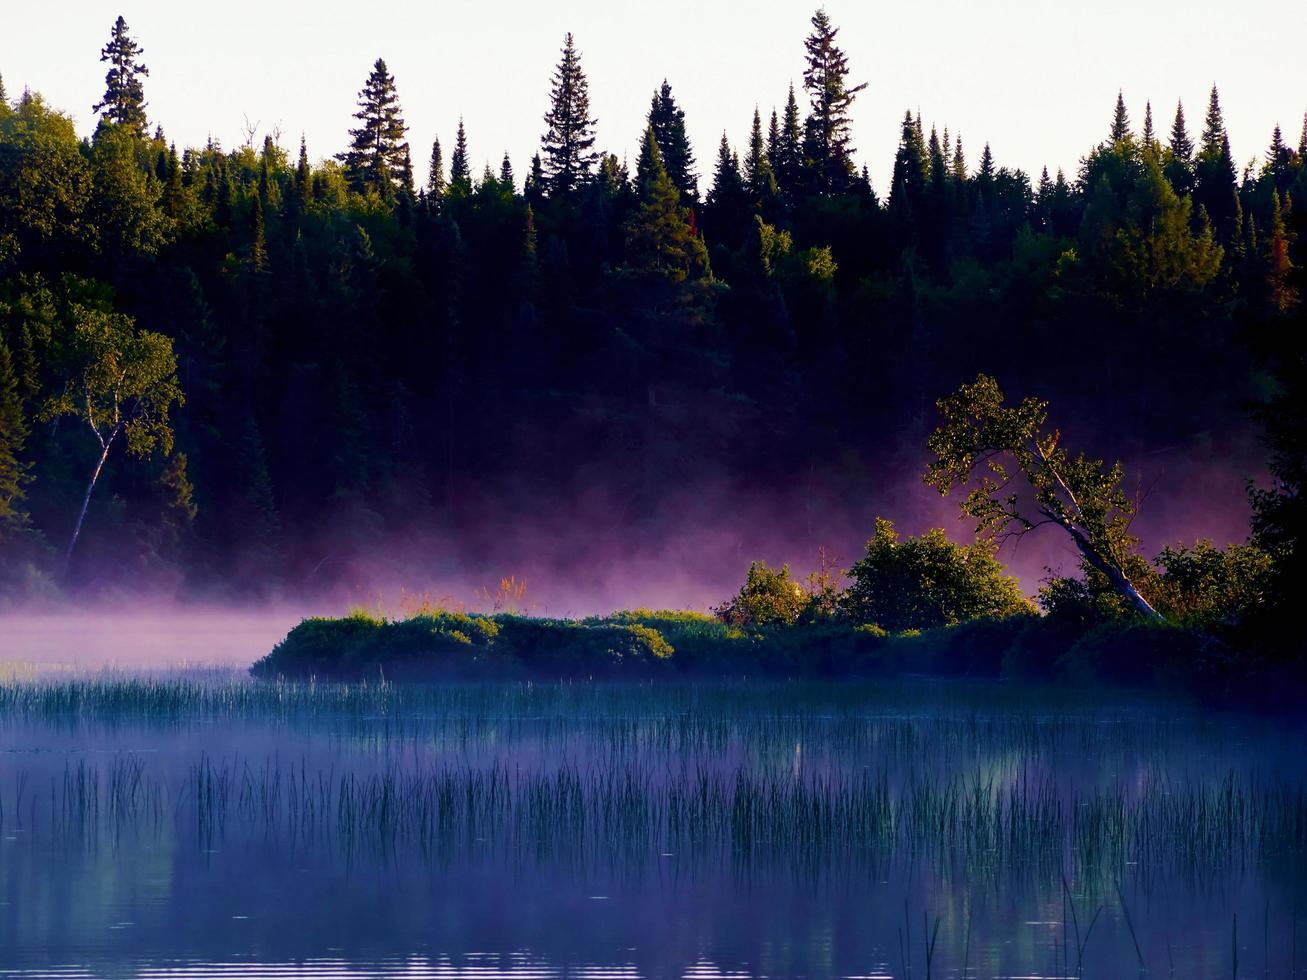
{"x": 223, "y": 369}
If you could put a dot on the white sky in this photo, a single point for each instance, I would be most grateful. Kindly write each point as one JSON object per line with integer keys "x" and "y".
{"x": 1037, "y": 79}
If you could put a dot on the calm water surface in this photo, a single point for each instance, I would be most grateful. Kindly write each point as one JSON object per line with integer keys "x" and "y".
{"x": 211, "y": 827}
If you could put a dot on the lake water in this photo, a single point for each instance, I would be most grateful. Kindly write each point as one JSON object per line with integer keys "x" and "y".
{"x": 204, "y": 825}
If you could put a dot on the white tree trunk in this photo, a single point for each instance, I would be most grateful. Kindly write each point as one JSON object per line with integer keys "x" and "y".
{"x": 86, "y": 500}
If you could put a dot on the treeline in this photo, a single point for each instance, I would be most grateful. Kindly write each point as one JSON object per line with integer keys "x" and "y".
{"x": 218, "y": 366}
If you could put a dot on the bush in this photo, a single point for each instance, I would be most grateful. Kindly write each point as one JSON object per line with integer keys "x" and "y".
{"x": 769, "y": 597}
{"x": 926, "y": 582}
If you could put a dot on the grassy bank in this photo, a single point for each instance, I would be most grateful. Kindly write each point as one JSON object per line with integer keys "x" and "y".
{"x": 645, "y": 644}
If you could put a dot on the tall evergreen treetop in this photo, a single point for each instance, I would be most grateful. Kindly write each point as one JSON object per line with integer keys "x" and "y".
{"x": 1214, "y": 136}
{"x": 124, "y": 95}
{"x": 568, "y": 142}
{"x": 1182, "y": 147}
{"x": 758, "y": 174}
{"x": 375, "y": 158}
{"x": 668, "y": 122}
{"x": 1120, "y": 120}
{"x": 659, "y": 237}
{"x": 827, "y": 137}
{"x": 460, "y": 170}
{"x": 436, "y": 185}
{"x": 1302, "y": 140}
{"x": 1150, "y": 135}
{"x": 4, "y": 96}
{"x": 506, "y": 179}
{"x": 789, "y": 158}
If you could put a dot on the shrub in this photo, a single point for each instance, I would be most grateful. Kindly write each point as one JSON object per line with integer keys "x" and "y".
{"x": 769, "y": 597}
{"x": 928, "y": 581}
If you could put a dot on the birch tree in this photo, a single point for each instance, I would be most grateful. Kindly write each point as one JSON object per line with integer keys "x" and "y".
{"x": 994, "y": 450}
{"x": 122, "y": 386}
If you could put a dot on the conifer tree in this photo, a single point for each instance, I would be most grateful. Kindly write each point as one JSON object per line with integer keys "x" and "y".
{"x": 1120, "y": 121}
{"x": 375, "y": 159}
{"x": 908, "y": 183}
{"x": 958, "y": 168}
{"x": 1278, "y": 155}
{"x": 1182, "y": 147}
{"x": 407, "y": 185}
{"x": 13, "y": 436}
{"x": 758, "y": 175}
{"x": 533, "y": 188}
{"x": 1302, "y": 141}
{"x": 726, "y": 203}
{"x": 1214, "y": 172}
{"x": 258, "y": 242}
{"x": 789, "y": 158}
{"x": 569, "y": 140}
{"x": 1150, "y": 137}
{"x": 4, "y": 96}
{"x": 460, "y": 172}
{"x": 436, "y": 185}
{"x": 304, "y": 177}
{"x": 668, "y": 122}
{"x": 827, "y": 138}
{"x": 659, "y": 238}
{"x": 124, "y": 95}
{"x": 506, "y": 180}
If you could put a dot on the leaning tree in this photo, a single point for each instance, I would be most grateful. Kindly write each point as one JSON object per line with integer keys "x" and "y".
{"x": 123, "y": 385}
{"x": 994, "y": 449}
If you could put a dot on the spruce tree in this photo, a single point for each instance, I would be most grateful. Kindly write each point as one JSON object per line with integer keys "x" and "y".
{"x": 1214, "y": 172}
{"x": 827, "y": 137}
{"x": 908, "y": 182}
{"x": 436, "y": 185}
{"x": 1120, "y": 121}
{"x": 506, "y": 179}
{"x": 1150, "y": 137}
{"x": 258, "y": 239}
{"x": 13, "y": 436}
{"x": 1302, "y": 141}
{"x": 725, "y": 207}
{"x": 569, "y": 140}
{"x": 758, "y": 174}
{"x": 304, "y": 177}
{"x": 4, "y": 96}
{"x": 668, "y": 122}
{"x": 789, "y": 162}
{"x": 659, "y": 237}
{"x": 460, "y": 172}
{"x": 375, "y": 159}
{"x": 124, "y": 95}
{"x": 1182, "y": 147}
{"x": 533, "y": 188}
{"x": 958, "y": 169}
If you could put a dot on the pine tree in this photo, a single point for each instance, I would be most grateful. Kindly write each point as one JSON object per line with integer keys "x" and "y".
{"x": 1182, "y": 147}
{"x": 758, "y": 175}
{"x": 460, "y": 172}
{"x": 13, "y": 436}
{"x": 1302, "y": 141}
{"x": 1278, "y": 156}
{"x": 568, "y": 142}
{"x": 375, "y": 159}
{"x": 1120, "y": 121}
{"x": 436, "y": 185}
{"x": 124, "y": 95}
{"x": 1150, "y": 137}
{"x": 668, "y": 122}
{"x": 506, "y": 179}
{"x": 827, "y": 137}
{"x": 4, "y": 96}
{"x": 726, "y": 205}
{"x": 407, "y": 185}
{"x": 659, "y": 237}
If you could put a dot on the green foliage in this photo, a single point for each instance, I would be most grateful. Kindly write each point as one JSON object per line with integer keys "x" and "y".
{"x": 928, "y": 581}
{"x": 378, "y": 154}
{"x": 568, "y": 142}
{"x": 13, "y": 436}
{"x": 667, "y": 120}
{"x": 1205, "y": 586}
{"x": 827, "y": 143}
{"x": 980, "y": 437}
{"x": 124, "y": 95}
{"x": 659, "y": 238}
{"x": 769, "y": 597}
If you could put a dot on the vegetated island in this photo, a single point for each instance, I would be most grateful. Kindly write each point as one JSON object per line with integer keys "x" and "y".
{"x": 1200, "y": 619}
